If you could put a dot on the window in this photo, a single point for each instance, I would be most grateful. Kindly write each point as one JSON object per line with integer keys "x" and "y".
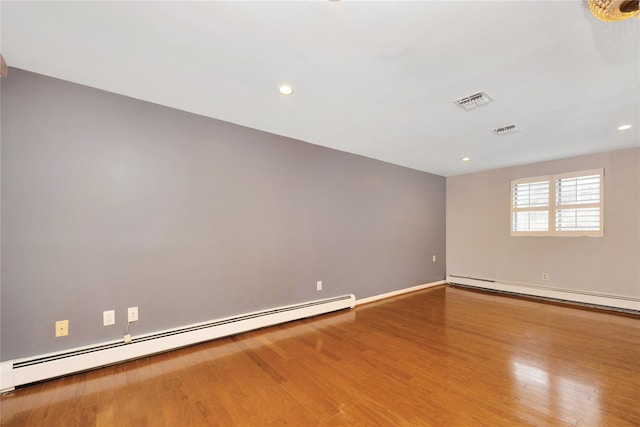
{"x": 569, "y": 204}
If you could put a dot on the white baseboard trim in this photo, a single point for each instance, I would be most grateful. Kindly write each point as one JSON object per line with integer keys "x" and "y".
{"x": 583, "y": 297}
{"x": 400, "y": 292}
{"x": 18, "y": 372}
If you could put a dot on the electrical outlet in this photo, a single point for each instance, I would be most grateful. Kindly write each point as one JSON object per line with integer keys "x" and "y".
{"x": 434, "y": 258}
{"x": 62, "y": 328}
{"x": 108, "y": 317}
{"x": 319, "y": 285}
{"x": 132, "y": 314}
{"x": 545, "y": 276}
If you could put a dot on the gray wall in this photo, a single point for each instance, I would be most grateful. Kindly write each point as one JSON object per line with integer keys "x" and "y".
{"x": 110, "y": 202}
{"x": 479, "y": 244}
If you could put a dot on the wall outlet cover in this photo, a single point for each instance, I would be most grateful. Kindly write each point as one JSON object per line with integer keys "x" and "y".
{"x": 62, "y": 328}
{"x": 132, "y": 314}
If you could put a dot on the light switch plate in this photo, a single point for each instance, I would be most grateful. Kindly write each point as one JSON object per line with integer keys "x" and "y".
{"x": 108, "y": 317}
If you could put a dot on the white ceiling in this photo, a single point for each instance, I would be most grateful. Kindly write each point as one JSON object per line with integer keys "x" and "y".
{"x": 372, "y": 78}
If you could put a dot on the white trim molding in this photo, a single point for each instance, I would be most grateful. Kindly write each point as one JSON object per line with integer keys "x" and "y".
{"x": 400, "y": 292}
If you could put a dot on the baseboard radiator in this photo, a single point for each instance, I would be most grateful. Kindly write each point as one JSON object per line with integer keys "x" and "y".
{"x": 14, "y": 373}
{"x": 615, "y": 302}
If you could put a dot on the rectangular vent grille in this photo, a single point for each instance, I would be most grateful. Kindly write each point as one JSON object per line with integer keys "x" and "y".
{"x": 506, "y": 129}
{"x": 474, "y": 101}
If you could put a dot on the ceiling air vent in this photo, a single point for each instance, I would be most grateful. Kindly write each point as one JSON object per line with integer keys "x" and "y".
{"x": 506, "y": 129}
{"x": 474, "y": 101}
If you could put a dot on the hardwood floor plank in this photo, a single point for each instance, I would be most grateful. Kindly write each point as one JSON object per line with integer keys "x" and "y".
{"x": 88, "y": 415}
{"x": 439, "y": 357}
{"x": 45, "y": 414}
{"x": 105, "y": 418}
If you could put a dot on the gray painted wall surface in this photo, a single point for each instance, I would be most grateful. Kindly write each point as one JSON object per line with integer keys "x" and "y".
{"x": 109, "y": 202}
{"x": 479, "y": 244}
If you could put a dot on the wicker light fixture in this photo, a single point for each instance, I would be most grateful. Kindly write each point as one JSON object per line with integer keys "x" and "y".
{"x": 614, "y": 10}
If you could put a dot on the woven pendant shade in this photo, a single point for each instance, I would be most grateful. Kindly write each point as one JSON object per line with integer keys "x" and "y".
{"x": 614, "y": 10}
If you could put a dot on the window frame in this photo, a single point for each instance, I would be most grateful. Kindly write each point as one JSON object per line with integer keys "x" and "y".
{"x": 552, "y": 207}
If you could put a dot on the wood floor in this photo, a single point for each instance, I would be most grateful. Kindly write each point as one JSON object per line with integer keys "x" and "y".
{"x": 439, "y": 357}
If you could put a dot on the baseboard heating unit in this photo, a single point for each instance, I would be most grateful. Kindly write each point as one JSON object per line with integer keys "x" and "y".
{"x": 19, "y": 372}
{"x": 615, "y": 302}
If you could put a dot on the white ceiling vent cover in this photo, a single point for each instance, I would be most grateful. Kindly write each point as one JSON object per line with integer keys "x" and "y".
{"x": 474, "y": 101}
{"x": 506, "y": 130}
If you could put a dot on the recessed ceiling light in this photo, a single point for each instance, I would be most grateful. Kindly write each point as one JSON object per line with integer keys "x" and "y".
{"x": 285, "y": 90}
{"x": 624, "y": 127}
{"x": 465, "y": 159}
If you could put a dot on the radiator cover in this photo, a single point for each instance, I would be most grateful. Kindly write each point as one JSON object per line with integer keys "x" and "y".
{"x": 581, "y": 297}
{"x": 18, "y": 372}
